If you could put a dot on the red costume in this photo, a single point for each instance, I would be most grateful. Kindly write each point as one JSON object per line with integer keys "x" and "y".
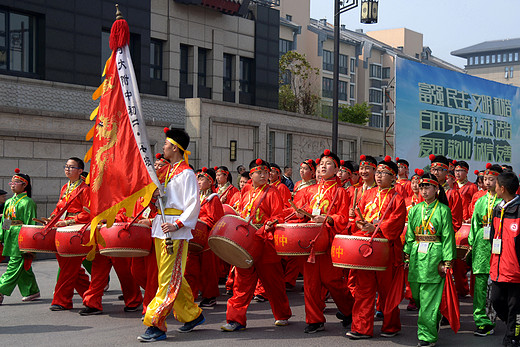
{"x": 407, "y": 187}
{"x": 330, "y": 198}
{"x": 466, "y": 191}
{"x": 227, "y": 194}
{"x": 285, "y": 193}
{"x": 269, "y": 268}
{"x": 72, "y": 276}
{"x": 373, "y": 206}
{"x": 474, "y": 199}
{"x": 202, "y": 267}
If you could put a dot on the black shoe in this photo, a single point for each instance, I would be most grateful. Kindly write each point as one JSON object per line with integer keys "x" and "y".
{"x": 187, "y": 327}
{"x": 152, "y": 334}
{"x": 423, "y": 343}
{"x": 229, "y": 292}
{"x": 385, "y": 334}
{"x": 353, "y": 335}
{"x": 121, "y": 297}
{"x": 131, "y": 309}
{"x": 208, "y": 302}
{"x": 259, "y": 298}
{"x": 484, "y": 330}
{"x": 314, "y": 328}
{"x": 89, "y": 311}
{"x": 444, "y": 321}
{"x": 345, "y": 320}
{"x": 57, "y": 308}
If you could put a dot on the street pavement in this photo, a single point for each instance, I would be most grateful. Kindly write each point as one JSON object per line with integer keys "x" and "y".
{"x": 32, "y": 324}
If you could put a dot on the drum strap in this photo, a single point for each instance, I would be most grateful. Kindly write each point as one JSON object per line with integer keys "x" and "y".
{"x": 258, "y": 205}
{"x": 170, "y": 212}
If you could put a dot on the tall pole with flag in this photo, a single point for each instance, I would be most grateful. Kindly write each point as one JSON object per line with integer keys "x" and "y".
{"x": 121, "y": 169}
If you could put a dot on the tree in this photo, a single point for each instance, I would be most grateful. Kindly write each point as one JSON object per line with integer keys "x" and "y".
{"x": 297, "y": 77}
{"x": 356, "y": 114}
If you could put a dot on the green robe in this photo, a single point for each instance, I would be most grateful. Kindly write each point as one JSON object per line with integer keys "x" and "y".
{"x": 480, "y": 248}
{"x": 423, "y": 266}
{"x": 25, "y": 211}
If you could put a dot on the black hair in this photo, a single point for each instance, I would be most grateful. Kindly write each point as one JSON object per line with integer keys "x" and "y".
{"x": 229, "y": 176}
{"x": 245, "y": 174}
{"x": 441, "y": 159}
{"x": 463, "y": 164}
{"x": 390, "y": 164}
{"x": 348, "y": 164}
{"x": 78, "y": 161}
{"x": 253, "y": 164}
{"x": 442, "y": 194}
{"x": 331, "y": 155}
{"x": 507, "y": 167}
{"x": 355, "y": 166}
{"x": 180, "y": 136}
{"x": 276, "y": 166}
{"x": 508, "y": 180}
{"x": 370, "y": 159}
{"x": 403, "y": 161}
{"x": 28, "y": 188}
{"x": 210, "y": 171}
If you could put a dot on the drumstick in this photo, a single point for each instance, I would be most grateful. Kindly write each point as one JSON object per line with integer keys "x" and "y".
{"x": 38, "y": 220}
{"x": 355, "y": 198}
{"x": 360, "y": 214}
{"x": 270, "y": 224}
{"x": 299, "y": 210}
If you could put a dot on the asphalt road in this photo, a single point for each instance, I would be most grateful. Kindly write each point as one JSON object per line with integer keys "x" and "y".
{"x": 32, "y": 324}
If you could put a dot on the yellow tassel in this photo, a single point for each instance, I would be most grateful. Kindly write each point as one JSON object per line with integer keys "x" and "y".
{"x": 106, "y": 64}
{"x": 88, "y": 156}
{"x": 90, "y": 134}
{"x": 98, "y": 92}
{"x": 94, "y": 113}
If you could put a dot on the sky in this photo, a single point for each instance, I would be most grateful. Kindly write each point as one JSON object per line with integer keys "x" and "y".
{"x": 446, "y": 25}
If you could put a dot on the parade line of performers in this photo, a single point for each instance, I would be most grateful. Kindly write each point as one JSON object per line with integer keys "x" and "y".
{"x": 343, "y": 197}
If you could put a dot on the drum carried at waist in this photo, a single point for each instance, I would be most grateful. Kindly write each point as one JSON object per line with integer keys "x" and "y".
{"x": 461, "y": 240}
{"x": 200, "y": 234}
{"x": 228, "y": 209}
{"x": 126, "y": 240}
{"x": 33, "y": 238}
{"x": 233, "y": 240}
{"x": 70, "y": 240}
{"x": 357, "y": 252}
{"x": 294, "y": 239}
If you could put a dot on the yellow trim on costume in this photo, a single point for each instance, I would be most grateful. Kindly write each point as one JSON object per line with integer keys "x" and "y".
{"x": 110, "y": 214}
{"x": 170, "y": 212}
{"x": 186, "y": 153}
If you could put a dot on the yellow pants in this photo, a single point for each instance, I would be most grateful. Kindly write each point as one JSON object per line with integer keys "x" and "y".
{"x": 174, "y": 292}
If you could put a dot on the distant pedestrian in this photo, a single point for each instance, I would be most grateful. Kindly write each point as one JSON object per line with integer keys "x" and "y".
{"x": 287, "y": 178}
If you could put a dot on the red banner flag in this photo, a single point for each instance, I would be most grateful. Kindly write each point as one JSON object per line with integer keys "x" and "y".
{"x": 121, "y": 164}
{"x": 450, "y": 302}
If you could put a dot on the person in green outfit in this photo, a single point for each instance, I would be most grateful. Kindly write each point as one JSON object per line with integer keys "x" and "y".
{"x": 480, "y": 241}
{"x": 18, "y": 210}
{"x": 429, "y": 250}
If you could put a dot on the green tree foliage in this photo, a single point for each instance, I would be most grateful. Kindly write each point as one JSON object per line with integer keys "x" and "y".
{"x": 356, "y": 114}
{"x": 298, "y": 95}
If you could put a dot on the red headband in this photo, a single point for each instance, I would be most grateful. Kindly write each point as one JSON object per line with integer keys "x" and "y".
{"x": 428, "y": 181}
{"x": 260, "y": 167}
{"x": 203, "y": 173}
{"x": 309, "y": 164}
{"x": 384, "y": 166}
{"x": 435, "y": 164}
{"x": 326, "y": 154}
{"x": 462, "y": 167}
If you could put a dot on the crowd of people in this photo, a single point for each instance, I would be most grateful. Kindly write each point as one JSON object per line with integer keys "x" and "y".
{"x": 418, "y": 218}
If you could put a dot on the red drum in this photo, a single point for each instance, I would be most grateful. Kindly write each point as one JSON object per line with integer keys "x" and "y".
{"x": 31, "y": 239}
{"x": 351, "y": 252}
{"x": 461, "y": 240}
{"x": 70, "y": 240}
{"x": 126, "y": 240}
{"x": 199, "y": 242}
{"x": 293, "y": 239}
{"x": 233, "y": 240}
{"x": 229, "y": 210}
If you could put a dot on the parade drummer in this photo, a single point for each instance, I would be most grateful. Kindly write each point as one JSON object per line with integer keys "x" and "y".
{"x": 505, "y": 257}
{"x": 327, "y": 202}
{"x": 480, "y": 193}
{"x": 224, "y": 179}
{"x": 202, "y": 267}
{"x": 429, "y": 250}
{"x": 367, "y": 169}
{"x": 465, "y": 188}
{"x": 345, "y": 173}
{"x": 308, "y": 175}
{"x": 382, "y": 208}
{"x": 20, "y": 209}
{"x": 71, "y": 274}
{"x": 182, "y": 207}
{"x": 265, "y": 207}
{"x": 480, "y": 241}
{"x": 275, "y": 180}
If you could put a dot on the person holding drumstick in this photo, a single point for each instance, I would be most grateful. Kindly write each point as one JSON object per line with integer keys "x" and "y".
{"x": 480, "y": 241}
{"x": 182, "y": 207}
{"x": 327, "y": 204}
{"x": 264, "y": 207}
{"x": 429, "y": 250}
{"x": 226, "y": 189}
{"x": 18, "y": 210}
{"x": 381, "y": 211}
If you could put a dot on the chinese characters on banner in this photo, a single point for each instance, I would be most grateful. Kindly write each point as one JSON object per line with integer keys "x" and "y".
{"x": 463, "y": 117}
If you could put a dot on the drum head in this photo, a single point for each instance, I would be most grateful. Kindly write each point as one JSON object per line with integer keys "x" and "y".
{"x": 230, "y": 252}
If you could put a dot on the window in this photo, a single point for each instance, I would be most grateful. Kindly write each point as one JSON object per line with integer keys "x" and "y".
{"x": 18, "y": 42}
{"x": 342, "y": 93}
{"x": 327, "y": 88}
{"x": 481, "y": 59}
{"x": 288, "y": 150}
{"x": 352, "y": 65}
{"x": 228, "y": 72}
{"x": 499, "y": 58}
{"x": 270, "y": 155}
{"x": 470, "y": 61}
{"x": 516, "y": 56}
{"x": 510, "y": 57}
{"x": 203, "y": 67}
{"x": 184, "y": 64}
{"x": 285, "y": 46}
{"x": 246, "y": 80}
{"x": 352, "y": 91}
{"x": 375, "y": 96}
{"x": 506, "y": 76}
{"x": 343, "y": 64}
{"x": 386, "y": 73}
{"x": 511, "y": 72}
{"x": 504, "y": 58}
{"x": 376, "y": 120}
{"x": 328, "y": 60}
{"x": 156, "y": 51}
{"x": 493, "y": 59}
{"x": 487, "y": 59}
{"x": 375, "y": 71}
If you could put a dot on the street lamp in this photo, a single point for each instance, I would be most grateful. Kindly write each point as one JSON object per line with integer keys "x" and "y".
{"x": 368, "y": 15}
